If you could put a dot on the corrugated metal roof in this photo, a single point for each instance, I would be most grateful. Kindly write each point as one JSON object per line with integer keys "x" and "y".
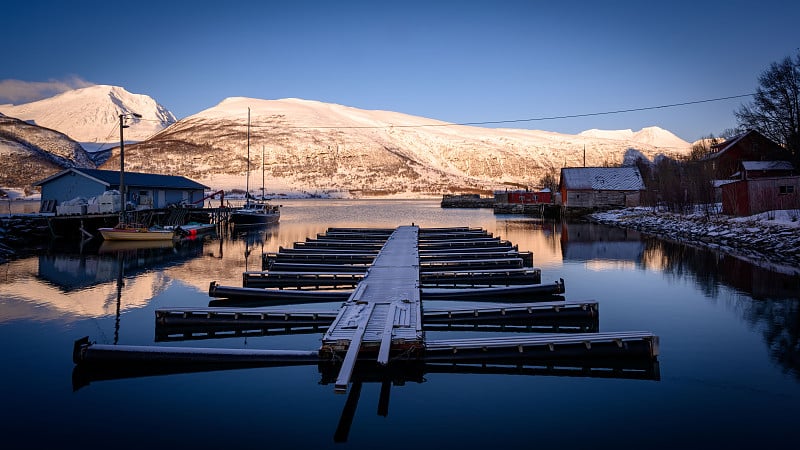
{"x": 602, "y": 178}
{"x": 136, "y": 179}
{"x": 767, "y": 165}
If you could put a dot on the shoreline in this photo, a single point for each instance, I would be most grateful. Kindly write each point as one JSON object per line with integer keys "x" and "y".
{"x": 770, "y": 240}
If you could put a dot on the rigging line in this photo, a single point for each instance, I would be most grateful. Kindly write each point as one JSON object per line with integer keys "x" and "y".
{"x": 534, "y": 119}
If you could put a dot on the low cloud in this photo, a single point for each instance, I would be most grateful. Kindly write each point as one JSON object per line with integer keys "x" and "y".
{"x": 18, "y": 91}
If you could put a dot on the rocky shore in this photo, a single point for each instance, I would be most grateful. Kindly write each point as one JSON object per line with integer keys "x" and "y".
{"x": 770, "y": 240}
{"x": 21, "y": 233}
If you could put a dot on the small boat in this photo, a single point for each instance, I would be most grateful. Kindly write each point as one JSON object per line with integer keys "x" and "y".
{"x": 192, "y": 229}
{"x": 256, "y": 213}
{"x": 136, "y": 232}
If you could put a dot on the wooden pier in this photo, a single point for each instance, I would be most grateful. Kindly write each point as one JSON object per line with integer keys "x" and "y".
{"x": 79, "y": 224}
{"x": 379, "y": 279}
{"x": 370, "y": 285}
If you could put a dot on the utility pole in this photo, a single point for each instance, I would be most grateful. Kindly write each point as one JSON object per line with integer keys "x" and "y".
{"x": 122, "y": 161}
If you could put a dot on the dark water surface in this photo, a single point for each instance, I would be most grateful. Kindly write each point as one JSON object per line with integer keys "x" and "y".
{"x": 729, "y": 366}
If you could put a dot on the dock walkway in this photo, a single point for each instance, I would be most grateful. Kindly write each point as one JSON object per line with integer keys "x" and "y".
{"x": 383, "y": 313}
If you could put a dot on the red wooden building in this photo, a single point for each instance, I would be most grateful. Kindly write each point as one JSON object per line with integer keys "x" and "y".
{"x": 761, "y": 186}
{"x": 727, "y": 156}
{"x": 530, "y": 197}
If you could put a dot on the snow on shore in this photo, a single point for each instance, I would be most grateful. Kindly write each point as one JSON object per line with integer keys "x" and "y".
{"x": 770, "y": 239}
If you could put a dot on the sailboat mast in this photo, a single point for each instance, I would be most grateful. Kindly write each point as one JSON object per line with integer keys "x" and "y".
{"x": 247, "y": 183}
{"x": 262, "y": 172}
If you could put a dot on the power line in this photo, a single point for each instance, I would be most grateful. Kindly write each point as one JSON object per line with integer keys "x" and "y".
{"x": 534, "y": 119}
{"x": 497, "y": 122}
{"x": 646, "y": 108}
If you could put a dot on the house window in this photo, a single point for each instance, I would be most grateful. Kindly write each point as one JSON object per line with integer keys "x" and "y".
{"x": 786, "y": 189}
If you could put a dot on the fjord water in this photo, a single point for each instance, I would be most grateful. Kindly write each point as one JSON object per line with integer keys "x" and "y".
{"x": 729, "y": 364}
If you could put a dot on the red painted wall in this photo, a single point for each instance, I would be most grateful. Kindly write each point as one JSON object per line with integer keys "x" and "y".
{"x": 528, "y": 197}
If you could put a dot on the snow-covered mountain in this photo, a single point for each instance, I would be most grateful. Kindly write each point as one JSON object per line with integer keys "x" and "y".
{"x": 655, "y": 136}
{"x": 320, "y": 147}
{"x": 30, "y": 153}
{"x": 91, "y": 115}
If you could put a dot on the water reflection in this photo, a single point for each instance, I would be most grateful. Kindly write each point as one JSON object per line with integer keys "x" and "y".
{"x": 710, "y": 269}
{"x": 730, "y": 335}
{"x": 254, "y": 238}
{"x": 70, "y": 272}
{"x": 89, "y": 284}
{"x": 775, "y": 312}
{"x": 774, "y": 308}
{"x": 597, "y": 243}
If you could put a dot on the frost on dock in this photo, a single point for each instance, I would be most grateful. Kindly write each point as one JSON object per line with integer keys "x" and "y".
{"x": 382, "y": 277}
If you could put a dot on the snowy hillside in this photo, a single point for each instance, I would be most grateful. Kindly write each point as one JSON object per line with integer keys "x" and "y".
{"x": 91, "y": 115}
{"x": 319, "y": 147}
{"x": 30, "y": 153}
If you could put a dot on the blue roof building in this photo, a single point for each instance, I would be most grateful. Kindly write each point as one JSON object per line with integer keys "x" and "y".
{"x": 145, "y": 190}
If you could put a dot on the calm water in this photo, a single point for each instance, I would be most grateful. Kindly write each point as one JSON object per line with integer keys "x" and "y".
{"x": 729, "y": 364}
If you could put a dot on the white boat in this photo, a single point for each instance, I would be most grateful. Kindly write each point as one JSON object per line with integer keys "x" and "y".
{"x": 136, "y": 232}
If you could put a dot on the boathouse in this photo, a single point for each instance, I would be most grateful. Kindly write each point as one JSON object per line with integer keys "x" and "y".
{"x": 600, "y": 187}
{"x": 761, "y": 186}
{"x": 144, "y": 190}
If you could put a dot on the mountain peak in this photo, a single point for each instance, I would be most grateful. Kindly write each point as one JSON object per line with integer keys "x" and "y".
{"x": 652, "y": 136}
{"x": 91, "y": 114}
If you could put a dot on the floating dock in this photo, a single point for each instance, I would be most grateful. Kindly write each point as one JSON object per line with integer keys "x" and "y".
{"x": 374, "y": 282}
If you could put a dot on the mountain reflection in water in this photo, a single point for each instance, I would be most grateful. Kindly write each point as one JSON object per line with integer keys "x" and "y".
{"x": 729, "y": 370}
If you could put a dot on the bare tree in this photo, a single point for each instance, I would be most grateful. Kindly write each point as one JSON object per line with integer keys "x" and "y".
{"x": 702, "y": 148}
{"x": 549, "y": 181}
{"x": 650, "y": 195}
{"x": 729, "y": 133}
{"x": 775, "y": 111}
{"x": 667, "y": 180}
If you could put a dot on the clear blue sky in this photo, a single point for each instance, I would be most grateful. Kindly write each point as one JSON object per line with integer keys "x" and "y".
{"x": 468, "y": 61}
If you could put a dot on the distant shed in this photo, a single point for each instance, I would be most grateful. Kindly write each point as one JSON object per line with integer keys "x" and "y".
{"x": 761, "y": 186}
{"x": 756, "y": 195}
{"x": 600, "y": 187}
{"x": 524, "y": 197}
{"x": 145, "y": 190}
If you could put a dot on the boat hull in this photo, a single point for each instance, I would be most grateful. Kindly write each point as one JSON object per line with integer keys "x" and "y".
{"x": 254, "y": 218}
{"x": 115, "y": 234}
